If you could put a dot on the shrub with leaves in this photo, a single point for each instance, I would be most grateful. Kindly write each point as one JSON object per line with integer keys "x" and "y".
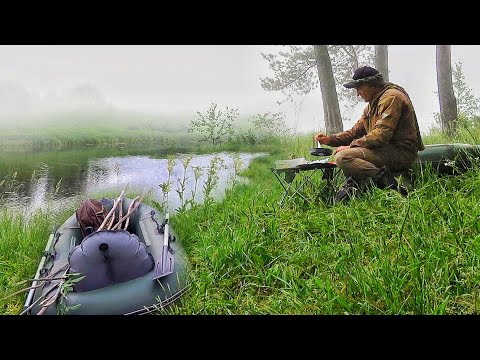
{"x": 467, "y": 104}
{"x": 466, "y": 101}
{"x": 215, "y": 126}
{"x": 269, "y": 125}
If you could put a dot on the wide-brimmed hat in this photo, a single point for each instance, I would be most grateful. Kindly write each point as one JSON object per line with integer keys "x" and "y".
{"x": 365, "y": 75}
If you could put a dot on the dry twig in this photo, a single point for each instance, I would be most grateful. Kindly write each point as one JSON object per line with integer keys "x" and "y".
{"x": 112, "y": 211}
{"x": 131, "y": 210}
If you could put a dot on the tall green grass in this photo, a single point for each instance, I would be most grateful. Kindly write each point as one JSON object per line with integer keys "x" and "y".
{"x": 22, "y": 241}
{"x": 378, "y": 254}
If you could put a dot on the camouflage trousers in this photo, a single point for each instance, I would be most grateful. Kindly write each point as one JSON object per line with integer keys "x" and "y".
{"x": 361, "y": 163}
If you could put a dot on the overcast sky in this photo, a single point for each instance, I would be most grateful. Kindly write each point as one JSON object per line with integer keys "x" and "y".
{"x": 187, "y": 78}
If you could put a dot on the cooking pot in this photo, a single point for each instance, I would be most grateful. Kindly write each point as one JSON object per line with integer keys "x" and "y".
{"x": 321, "y": 151}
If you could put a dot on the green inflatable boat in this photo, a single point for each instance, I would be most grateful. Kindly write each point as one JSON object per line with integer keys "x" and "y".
{"x": 449, "y": 159}
{"x": 136, "y": 270}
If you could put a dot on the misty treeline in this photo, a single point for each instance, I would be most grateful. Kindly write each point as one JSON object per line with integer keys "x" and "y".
{"x": 16, "y": 99}
{"x": 301, "y": 69}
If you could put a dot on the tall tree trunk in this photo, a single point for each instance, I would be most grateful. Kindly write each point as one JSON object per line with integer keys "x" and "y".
{"x": 381, "y": 60}
{"x": 446, "y": 96}
{"x": 331, "y": 108}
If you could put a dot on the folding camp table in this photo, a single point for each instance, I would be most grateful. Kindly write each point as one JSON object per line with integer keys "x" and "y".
{"x": 304, "y": 181}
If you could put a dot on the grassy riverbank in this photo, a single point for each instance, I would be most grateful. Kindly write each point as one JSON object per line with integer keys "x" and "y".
{"x": 378, "y": 254}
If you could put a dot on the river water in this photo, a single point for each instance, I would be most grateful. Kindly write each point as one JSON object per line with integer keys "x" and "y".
{"x": 51, "y": 187}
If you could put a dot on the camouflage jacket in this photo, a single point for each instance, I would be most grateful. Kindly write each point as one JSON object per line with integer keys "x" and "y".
{"x": 388, "y": 119}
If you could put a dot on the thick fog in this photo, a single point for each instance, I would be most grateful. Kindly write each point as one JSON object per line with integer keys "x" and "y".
{"x": 187, "y": 78}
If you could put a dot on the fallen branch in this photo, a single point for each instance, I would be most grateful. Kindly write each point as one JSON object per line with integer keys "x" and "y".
{"x": 120, "y": 210}
{"x": 41, "y": 282}
{"x": 53, "y": 298}
{"x": 131, "y": 210}
{"x": 112, "y": 211}
{"x": 39, "y": 298}
{"x": 132, "y": 204}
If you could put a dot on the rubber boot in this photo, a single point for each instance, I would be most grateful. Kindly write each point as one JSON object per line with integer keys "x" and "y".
{"x": 386, "y": 180}
{"x": 349, "y": 188}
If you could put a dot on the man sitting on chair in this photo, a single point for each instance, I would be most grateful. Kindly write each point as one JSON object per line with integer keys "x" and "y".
{"x": 386, "y": 138}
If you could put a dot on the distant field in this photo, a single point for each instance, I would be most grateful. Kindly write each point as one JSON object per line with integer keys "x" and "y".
{"x": 89, "y": 123}
{"x": 86, "y": 128}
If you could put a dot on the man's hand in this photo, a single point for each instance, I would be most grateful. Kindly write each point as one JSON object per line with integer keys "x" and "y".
{"x": 321, "y": 138}
{"x": 341, "y": 148}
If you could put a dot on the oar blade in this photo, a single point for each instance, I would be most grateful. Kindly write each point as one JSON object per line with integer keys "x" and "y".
{"x": 164, "y": 267}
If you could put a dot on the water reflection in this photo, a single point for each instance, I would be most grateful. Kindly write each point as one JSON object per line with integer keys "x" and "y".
{"x": 46, "y": 190}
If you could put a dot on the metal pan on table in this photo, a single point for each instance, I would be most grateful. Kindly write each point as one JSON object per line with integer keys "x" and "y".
{"x": 321, "y": 151}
